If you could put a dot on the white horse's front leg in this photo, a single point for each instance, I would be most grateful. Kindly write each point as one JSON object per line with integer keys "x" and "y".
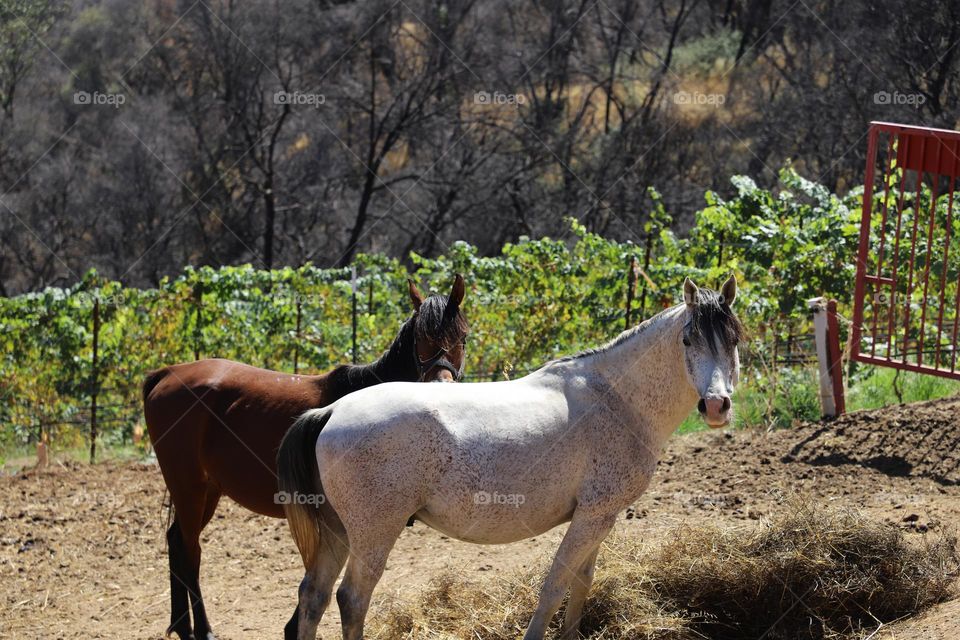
{"x": 581, "y": 541}
{"x": 579, "y": 588}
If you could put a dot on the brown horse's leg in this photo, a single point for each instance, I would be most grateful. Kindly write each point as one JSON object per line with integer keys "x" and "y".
{"x": 179, "y": 604}
{"x": 201, "y": 627}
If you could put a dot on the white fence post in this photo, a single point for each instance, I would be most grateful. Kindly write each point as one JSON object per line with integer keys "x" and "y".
{"x": 828, "y": 405}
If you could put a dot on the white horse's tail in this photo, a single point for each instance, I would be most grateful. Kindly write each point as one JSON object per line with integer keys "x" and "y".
{"x": 298, "y": 478}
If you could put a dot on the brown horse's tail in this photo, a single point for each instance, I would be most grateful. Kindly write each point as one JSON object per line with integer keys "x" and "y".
{"x": 299, "y": 481}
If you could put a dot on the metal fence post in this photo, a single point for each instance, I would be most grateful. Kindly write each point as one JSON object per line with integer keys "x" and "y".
{"x": 632, "y": 276}
{"x": 95, "y": 382}
{"x": 647, "y": 254}
{"x": 353, "y": 290}
{"x": 296, "y": 343}
{"x": 198, "y": 329}
{"x": 720, "y": 249}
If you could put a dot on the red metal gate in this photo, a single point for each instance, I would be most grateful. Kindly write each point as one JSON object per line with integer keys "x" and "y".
{"x": 907, "y": 294}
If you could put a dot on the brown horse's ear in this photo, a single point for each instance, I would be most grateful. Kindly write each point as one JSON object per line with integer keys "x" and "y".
{"x": 458, "y": 290}
{"x": 415, "y": 297}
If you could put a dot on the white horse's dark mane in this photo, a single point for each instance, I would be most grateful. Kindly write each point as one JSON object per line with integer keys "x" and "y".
{"x": 710, "y": 318}
{"x": 620, "y": 339}
{"x": 713, "y": 320}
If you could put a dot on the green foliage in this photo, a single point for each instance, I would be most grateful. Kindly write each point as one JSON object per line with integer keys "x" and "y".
{"x": 880, "y": 387}
{"x": 537, "y": 300}
{"x": 792, "y": 246}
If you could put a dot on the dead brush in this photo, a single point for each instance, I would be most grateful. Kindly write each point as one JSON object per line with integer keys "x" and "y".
{"x": 807, "y": 573}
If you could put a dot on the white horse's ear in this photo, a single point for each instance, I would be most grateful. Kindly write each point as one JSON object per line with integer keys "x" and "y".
{"x": 690, "y": 291}
{"x": 729, "y": 290}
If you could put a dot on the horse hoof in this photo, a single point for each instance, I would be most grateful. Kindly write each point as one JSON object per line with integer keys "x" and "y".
{"x": 183, "y": 631}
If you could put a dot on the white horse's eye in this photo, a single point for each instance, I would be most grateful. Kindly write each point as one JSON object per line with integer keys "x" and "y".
{"x": 686, "y": 341}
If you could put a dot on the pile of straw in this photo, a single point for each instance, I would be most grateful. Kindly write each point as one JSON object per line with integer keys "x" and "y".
{"x": 808, "y": 573}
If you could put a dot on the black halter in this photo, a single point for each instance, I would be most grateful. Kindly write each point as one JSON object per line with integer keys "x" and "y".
{"x": 439, "y": 359}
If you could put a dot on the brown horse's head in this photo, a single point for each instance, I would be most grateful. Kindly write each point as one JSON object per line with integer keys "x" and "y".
{"x": 440, "y": 334}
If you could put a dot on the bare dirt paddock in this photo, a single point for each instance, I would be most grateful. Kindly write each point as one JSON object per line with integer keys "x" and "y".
{"x": 82, "y": 548}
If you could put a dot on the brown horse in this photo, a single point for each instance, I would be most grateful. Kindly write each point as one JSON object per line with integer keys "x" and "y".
{"x": 216, "y": 426}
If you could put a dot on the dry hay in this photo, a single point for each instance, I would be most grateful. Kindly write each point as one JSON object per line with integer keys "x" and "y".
{"x": 808, "y": 573}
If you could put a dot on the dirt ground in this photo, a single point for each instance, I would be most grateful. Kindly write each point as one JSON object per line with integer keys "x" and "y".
{"x": 82, "y": 551}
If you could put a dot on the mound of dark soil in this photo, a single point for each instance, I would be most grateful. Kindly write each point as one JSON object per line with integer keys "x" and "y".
{"x": 919, "y": 440}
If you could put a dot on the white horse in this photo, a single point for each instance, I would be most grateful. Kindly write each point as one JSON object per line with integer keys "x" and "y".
{"x": 576, "y": 441}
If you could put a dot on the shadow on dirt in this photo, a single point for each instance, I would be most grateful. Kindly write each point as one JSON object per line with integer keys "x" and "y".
{"x": 919, "y": 440}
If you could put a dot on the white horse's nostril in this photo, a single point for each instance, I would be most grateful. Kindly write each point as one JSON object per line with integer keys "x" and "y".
{"x": 715, "y": 406}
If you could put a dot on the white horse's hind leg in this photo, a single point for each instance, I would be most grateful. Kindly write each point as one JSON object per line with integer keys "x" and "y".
{"x": 579, "y": 588}
{"x": 583, "y": 537}
{"x": 368, "y": 557}
{"x": 316, "y": 588}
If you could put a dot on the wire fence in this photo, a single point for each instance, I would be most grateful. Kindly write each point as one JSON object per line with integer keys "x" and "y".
{"x": 104, "y": 347}
{"x": 121, "y": 419}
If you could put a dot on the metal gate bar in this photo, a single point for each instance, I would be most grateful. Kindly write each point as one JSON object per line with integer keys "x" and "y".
{"x": 894, "y": 303}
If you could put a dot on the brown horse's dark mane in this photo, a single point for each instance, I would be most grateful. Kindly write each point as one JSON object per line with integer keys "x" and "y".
{"x": 396, "y": 363}
{"x": 441, "y": 322}
{"x": 434, "y": 321}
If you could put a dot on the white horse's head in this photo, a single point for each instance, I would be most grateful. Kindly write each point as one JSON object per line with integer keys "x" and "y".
{"x": 709, "y": 342}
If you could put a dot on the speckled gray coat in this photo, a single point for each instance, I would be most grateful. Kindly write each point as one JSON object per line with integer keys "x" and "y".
{"x": 577, "y": 441}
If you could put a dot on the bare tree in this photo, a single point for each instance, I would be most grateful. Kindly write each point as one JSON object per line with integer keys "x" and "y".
{"x": 277, "y": 133}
